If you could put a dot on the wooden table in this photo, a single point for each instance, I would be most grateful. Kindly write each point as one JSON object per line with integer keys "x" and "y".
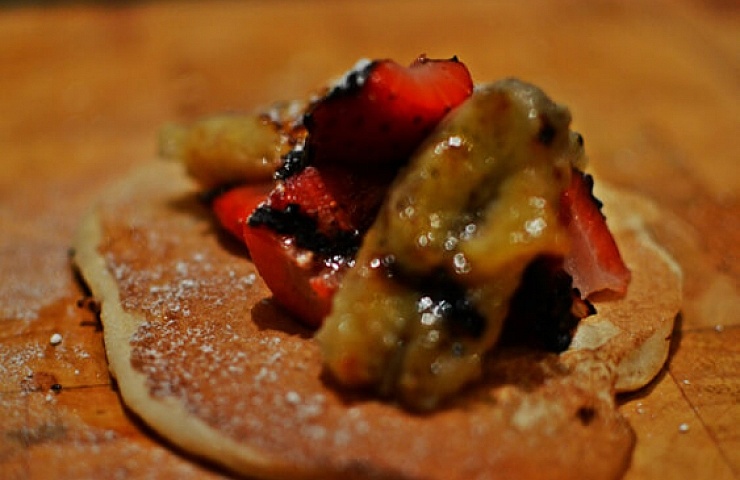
{"x": 654, "y": 88}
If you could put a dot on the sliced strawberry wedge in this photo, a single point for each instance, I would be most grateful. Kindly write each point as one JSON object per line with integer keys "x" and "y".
{"x": 300, "y": 281}
{"x": 594, "y": 260}
{"x": 301, "y": 285}
{"x": 381, "y": 111}
{"x": 337, "y": 198}
{"x": 233, "y": 207}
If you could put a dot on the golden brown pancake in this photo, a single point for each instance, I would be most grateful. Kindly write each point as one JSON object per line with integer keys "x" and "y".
{"x": 204, "y": 357}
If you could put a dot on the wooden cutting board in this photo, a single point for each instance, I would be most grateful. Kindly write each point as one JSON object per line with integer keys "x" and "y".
{"x": 653, "y": 87}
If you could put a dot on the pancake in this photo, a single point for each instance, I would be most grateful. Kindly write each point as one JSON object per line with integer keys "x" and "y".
{"x": 203, "y": 356}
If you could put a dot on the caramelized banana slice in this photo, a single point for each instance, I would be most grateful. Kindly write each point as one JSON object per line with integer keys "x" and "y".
{"x": 433, "y": 279}
{"x": 229, "y": 149}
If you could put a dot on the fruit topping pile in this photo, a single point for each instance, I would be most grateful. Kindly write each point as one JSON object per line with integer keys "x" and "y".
{"x": 416, "y": 220}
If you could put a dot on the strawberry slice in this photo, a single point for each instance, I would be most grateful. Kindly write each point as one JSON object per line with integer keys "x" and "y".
{"x": 301, "y": 281}
{"x": 309, "y": 191}
{"x": 381, "y": 111}
{"x": 233, "y": 207}
{"x": 329, "y": 200}
{"x": 303, "y": 286}
{"x": 594, "y": 260}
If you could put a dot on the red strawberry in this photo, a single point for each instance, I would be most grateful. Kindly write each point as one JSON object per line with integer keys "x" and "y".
{"x": 337, "y": 199}
{"x": 309, "y": 192}
{"x": 233, "y": 207}
{"x": 594, "y": 260}
{"x": 381, "y": 111}
{"x": 303, "y": 284}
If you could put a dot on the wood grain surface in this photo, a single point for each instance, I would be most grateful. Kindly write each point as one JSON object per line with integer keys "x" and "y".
{"x": 654, "y": 88}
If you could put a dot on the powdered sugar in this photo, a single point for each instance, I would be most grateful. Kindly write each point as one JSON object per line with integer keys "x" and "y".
{"x": 15, "y": 362}
{"x": 20, "y": 361}
{"x": 172, "y": 288}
